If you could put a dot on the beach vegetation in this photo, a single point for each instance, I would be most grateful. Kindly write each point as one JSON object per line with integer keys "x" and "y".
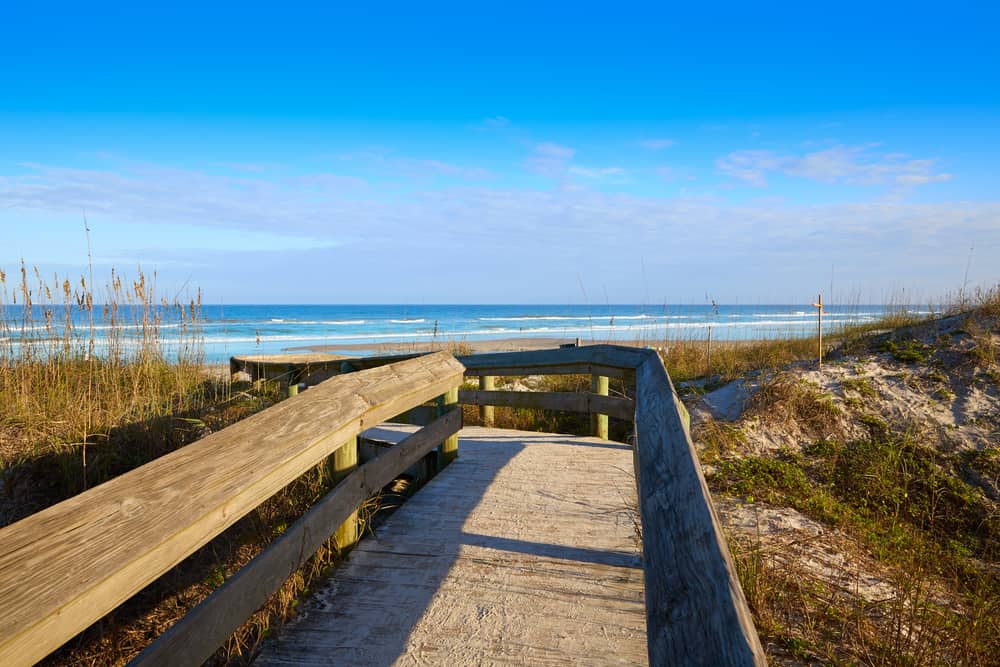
{"x": 900, "y": 564}
{"x": 98, "y": 379}
{"x": 95, "y": 381}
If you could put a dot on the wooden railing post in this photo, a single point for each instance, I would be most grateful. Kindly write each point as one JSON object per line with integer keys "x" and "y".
{"x": 448, "y": 451}
{"x": 599, "y": 422}
{"x": 487, "y": 383}
{"x": 343, "y": 461}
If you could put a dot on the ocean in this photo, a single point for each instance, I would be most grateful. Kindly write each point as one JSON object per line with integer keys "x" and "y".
{"x": 229, "y": 330}
{"x": 347, "y": 329}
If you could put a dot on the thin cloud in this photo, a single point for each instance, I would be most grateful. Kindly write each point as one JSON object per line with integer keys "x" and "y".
{"x": 550, "y": 159}
{"x": 388, "y": 163}
{"x": 913, "y": 243}
{"x": 852, "y": 165}
{"x": 595, "y": 173}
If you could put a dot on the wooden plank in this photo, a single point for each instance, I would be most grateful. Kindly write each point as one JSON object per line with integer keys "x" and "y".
{"x": 193, "y": 639}
{"x": 618, "y": 356}
{"x": 573, "y": 368}
{"x": 695, "y": 608}
{"x": 613, "y": 356}
{"x": 64, "y": 567}
{"x": 285, "y": 366}
{"x": 366, "y": 363}
{"x": 620, "y": 408}
{"x": 616, "y": 361}
{"x": 522, "y": 552}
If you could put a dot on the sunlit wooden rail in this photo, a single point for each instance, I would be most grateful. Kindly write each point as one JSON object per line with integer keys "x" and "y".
{"x": 64, "y": 568}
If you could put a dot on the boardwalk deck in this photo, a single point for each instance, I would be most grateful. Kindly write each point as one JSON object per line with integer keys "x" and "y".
{"x": 522, "y": 551}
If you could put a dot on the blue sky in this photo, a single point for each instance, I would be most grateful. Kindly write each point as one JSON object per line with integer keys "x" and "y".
{"x": 753, "y": 152}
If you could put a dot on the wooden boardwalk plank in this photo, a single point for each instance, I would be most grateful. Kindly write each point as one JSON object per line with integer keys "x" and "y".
{"x": 522, "y": 551}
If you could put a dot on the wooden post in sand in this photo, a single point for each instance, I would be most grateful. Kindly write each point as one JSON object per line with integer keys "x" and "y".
{"x": 448, "y": 451}
{"x": 819, "y": 327}
{"x": 343, "y": 461}
{"x": 487, "y": 383}
{"x": 599, "y": 422}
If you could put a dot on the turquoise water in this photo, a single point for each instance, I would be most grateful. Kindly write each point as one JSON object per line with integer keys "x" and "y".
{"x": 272, "y": 329}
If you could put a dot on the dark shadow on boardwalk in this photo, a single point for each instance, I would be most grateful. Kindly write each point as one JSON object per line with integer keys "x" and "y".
{"x": 367, "y": 613}
{"x": 558, "y": 551}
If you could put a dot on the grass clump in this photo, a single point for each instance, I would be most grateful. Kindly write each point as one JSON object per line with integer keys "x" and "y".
{"x": 907, "y": 351}
{"x": 860, "y": 385}
{"x": 718, "y": 440}
{"x": 796, "y": 402}
{"x": 687, "y": 359}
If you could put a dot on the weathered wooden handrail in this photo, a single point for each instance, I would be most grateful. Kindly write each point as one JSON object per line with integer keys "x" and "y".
{"x": 696, "y": 612}
{"x": 67, "y": 566}
{"x": 195, "y": 637}
{"x": 695, "y": 609}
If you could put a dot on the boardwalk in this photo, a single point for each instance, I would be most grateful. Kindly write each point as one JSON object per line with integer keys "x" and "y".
{"x": 522, "y": 551}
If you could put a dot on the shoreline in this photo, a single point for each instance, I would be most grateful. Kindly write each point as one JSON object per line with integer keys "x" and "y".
{"x": 493, "y": 345}
{"x": 459, "y": 347}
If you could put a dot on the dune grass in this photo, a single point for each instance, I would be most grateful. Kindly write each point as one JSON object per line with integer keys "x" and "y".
{"x": 923, "y": 516}
{"x": 81, "y": 365}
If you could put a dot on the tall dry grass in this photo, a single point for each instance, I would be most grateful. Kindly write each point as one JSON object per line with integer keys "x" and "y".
{"x": 688, "y": 356}
{"x": 78, "y": 361}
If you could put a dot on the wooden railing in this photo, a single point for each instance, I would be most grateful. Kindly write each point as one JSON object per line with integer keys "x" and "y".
{"x": 695, "y": 609}
{"x": 65, "y": 567}
{"x": 696, "y": 612}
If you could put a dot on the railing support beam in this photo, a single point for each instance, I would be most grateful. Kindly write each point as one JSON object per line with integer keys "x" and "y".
{"x": 448, "y": 451}
{"x": 343, "y": 462}
{"x": 599, "y": 422}
{"x": 487, "y": 383}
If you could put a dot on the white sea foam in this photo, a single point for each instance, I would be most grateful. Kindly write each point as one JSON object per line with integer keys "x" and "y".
{"x": 527, "y": 318}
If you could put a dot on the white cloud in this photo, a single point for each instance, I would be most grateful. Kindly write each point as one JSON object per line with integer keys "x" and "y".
{"x": 744, "y": 243}
{"x": 670, "y": 174}
{"x": 597, "y": 172}
{"x": 388, "y": 163}
{"x": 657, "y": 144}
{"x": 550, "y": 159}
{"x": 750, "y": 166}
{"x": 853, "y": 165}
